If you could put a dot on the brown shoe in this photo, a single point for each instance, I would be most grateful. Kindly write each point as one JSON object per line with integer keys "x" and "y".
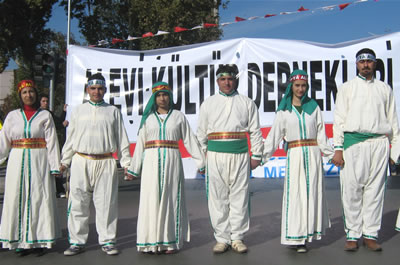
{"x": 372, "y": 245}
{"x": 351, "y": 246}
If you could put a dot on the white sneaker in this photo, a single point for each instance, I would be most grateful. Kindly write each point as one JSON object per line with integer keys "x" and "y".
{"x": 220, "y": 248}
{"x": 238, "y": 246}
{"x": 110, "y": 250}
{"x": 73, "y": 250}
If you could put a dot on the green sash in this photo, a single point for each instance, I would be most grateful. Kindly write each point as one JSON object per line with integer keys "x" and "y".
{"x": 351, "y": 138}
{"x": 232, "y": 147}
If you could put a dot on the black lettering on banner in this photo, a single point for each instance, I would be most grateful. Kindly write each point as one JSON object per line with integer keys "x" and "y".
{"x": 140, "y": 90}
{"x": 212, "y": 79}
{"x": 201, "y": 72}
{"x": 316, "y": 84}
{"x": 216, "y": 55}
{"x": 331, "y": 87}
{"x": 380, "y": 67}
{"x": 179, "y": 79}
{"x": 390, "y": 72}
{"x": 157, "y": 78}
{"x": 129, "y": 88}
{"x": 296, "y": 66}
{"x": 268, "y": 68}
{"x": 115, "y": 74}
{"x": 190, "y": 107}
{"x": 254, "y": 72}
{"x": 344, "y": 71}
{"x": 283, "y": 70}
{"x": 175, "y": 58}
{"x": 88, "y": 74}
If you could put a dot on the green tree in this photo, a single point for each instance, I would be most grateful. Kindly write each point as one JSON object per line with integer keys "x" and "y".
{"x": 106, "y": 19}
{"x": 22, "y": 24}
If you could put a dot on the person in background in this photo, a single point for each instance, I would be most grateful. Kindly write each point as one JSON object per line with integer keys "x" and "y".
{"x": 59, "y": 123}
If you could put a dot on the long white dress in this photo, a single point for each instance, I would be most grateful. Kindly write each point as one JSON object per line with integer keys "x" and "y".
{"x": 162, "y": 220}
{"x": 29, "y": 216}
{"x": 304, "y": 209}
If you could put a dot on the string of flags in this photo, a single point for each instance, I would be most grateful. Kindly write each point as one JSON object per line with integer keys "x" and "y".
{"x": 237, "y": 20}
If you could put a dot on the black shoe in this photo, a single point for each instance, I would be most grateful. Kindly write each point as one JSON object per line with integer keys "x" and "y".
{"x": 38, "y": 252}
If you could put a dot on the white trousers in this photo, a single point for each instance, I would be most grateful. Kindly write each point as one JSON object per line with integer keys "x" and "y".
{"x": 362, "y": 181}
{"x": 227, "y": 184}
{"x": 97, "y": 180}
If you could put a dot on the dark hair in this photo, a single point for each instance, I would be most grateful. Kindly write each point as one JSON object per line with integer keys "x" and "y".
{"x": 365, "y": 50}
{"x": 43, "y": 96}
{"x": 228, "y": 68}
{"x": 97, "y": 76}
{"x": 36, "y": 105}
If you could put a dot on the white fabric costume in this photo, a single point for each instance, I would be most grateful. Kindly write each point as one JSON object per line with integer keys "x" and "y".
{"x": 163, "y": 223}
{"x": 29, "y": 218}
{"x": 398, "y": 222}
{"x": 364, "y": 106}
{"x": 94, "y": 129}
{"x": 228, "y": 173}
{"x": 304, "y": 209}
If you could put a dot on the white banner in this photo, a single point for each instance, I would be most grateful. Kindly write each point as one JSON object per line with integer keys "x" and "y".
{"x": 264, "y": 65}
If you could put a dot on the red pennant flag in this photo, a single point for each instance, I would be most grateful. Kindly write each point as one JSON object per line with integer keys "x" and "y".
{"x": 114, "y": 40}
{"x": 269, "y": 15}
{"x": 179, "y": 29}
{"x": 148, "y": 34}
{"x": 302, "y": 9}
{"x": 209, "y": 25}
{"x": 343, "y": 6}
{"x": 238, "y": 19}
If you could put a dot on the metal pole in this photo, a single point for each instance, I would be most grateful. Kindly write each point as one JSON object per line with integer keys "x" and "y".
{"x": 51, "y": 93}
{"x": 69, "y": 23}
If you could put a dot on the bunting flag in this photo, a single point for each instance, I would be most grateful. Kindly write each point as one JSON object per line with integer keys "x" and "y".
{"x": 179, "y": 29}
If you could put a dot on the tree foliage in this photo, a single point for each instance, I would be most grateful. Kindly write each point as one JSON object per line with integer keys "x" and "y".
{"x": 106, "y": 19}
{"x": 22, "y": 24}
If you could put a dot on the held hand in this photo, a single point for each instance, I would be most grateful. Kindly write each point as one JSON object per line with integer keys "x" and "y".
{"x": 337, "y": 159}
{"x": 62, "y": 169}
{"x": 254, "y": 163}
{"x": 65, "y": 123}
{"x": 202, "y": 172}
{"x": 127, "y": 176}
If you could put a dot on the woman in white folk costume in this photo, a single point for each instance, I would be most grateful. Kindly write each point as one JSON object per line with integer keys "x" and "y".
{"x": 163, "y": 223}
{"x": 299, "y": 121}
{"x": 29, "y": 140}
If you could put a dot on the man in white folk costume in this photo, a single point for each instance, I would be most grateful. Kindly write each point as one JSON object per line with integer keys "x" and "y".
{"x": 365, "y": 125}
{"x": 95, "y": 132}
{"x": 225, "y": 121}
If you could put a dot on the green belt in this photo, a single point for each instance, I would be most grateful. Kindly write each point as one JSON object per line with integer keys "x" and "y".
{"x": 351, "y": 138}
{"x": 232, "y": 147}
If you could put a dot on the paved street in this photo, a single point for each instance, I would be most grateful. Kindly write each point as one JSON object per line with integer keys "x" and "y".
{"x": 263, "y": 238}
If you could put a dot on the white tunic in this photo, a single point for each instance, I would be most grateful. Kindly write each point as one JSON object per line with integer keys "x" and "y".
{"x": 365, "y": 106}
{"x": 162, "y": 220}
{"x": 304, "y": 208}
{"x": 94, "y": 129}
{"x": 228, "y": 173}
{"x": 29, "y": 210}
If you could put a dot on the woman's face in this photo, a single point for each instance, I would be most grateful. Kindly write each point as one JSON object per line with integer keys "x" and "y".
{"x": 299, "y": 87}
{"x": 162, "y": 100}
{"x": 28, "y": 96}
